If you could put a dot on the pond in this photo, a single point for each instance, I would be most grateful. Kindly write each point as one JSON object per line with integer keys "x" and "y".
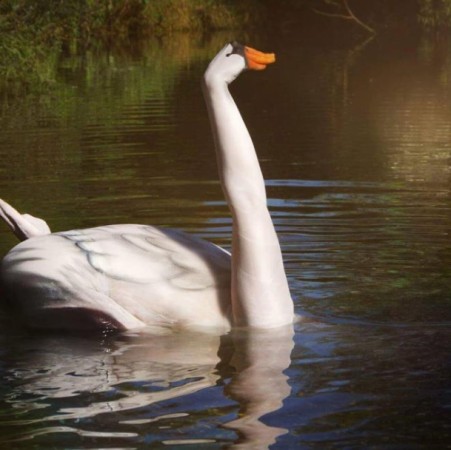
{"x": 354, "y": 142}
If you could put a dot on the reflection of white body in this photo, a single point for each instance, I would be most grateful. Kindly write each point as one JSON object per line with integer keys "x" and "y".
{"x": 120, "y": 382}
{"x": 129, "y": 276}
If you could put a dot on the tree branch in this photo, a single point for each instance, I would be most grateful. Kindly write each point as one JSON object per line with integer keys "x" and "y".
{"x": 348, "y": 16}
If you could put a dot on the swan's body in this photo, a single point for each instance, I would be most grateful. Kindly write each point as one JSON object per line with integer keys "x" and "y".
{"x": 118, "y": 276}
{"x": 130, "y": 276}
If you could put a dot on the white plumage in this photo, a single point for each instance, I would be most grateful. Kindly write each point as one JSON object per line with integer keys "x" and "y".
{"x": 132, "y": 276}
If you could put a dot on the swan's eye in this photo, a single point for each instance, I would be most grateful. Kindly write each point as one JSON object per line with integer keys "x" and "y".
{"x": 237, "y": 49}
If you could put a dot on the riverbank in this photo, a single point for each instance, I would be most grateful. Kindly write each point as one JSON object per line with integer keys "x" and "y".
{"x": 33, "y": 33}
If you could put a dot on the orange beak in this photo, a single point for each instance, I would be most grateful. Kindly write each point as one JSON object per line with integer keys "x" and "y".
{"x": 258, "y": 60}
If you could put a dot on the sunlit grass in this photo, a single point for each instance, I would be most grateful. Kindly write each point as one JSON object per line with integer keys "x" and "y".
{"x": 34, "y": 33}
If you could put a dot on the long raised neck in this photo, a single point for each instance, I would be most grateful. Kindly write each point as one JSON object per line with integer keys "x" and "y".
{"x": 239, "y": 170}
{"x": 260, "y": 293}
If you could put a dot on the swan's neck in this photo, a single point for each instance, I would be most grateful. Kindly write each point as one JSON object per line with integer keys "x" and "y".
{"x": 260, "y": 294}
{"x": 238, "y": 166}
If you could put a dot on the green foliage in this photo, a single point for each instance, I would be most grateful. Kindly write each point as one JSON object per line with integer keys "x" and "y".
{"x": 176, "y": 15}
{"x": 32, "y": 32}
{"x": 435, "y": 14}
{"x": 27, "y": 54}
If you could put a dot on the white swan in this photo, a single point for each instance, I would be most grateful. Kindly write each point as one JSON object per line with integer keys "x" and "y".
{"x": 132, "y": 276}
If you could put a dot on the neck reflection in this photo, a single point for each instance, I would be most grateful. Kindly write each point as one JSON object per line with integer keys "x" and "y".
{"x": 258, "y": 384}
{"x": 76, "y": 381}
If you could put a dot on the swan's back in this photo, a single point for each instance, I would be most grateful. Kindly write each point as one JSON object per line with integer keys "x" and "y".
{"x": 118, "y": 276}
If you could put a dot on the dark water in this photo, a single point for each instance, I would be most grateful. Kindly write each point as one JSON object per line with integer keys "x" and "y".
{"x": 355, "y": 144}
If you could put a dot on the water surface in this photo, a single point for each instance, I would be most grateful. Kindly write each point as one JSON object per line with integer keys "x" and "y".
{"x": 354, "y": 142}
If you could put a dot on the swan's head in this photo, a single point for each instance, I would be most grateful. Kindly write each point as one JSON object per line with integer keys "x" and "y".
{"x": 233, "y": 59}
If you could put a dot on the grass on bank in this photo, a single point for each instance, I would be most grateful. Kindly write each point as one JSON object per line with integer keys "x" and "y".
{"x": 34, "y": 32}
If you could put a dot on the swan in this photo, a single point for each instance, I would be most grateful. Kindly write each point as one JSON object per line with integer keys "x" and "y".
{"x": 124, "y": 277}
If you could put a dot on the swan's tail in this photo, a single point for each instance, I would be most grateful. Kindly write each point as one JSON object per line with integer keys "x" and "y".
{"x": 23, "y": 226}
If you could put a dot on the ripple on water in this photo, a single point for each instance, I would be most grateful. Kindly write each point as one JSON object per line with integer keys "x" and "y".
{"x": 366, "y": 251}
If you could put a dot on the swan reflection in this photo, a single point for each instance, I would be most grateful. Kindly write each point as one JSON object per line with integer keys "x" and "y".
{"x": 259, "y": 384}
{"x": 66, "y": 384}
